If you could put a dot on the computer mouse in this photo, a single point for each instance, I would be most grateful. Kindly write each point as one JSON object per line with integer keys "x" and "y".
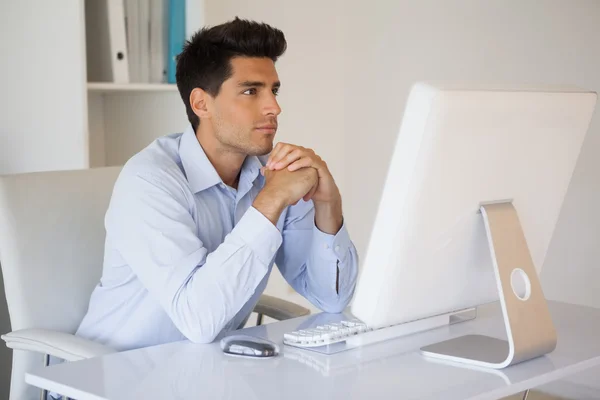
{"x": 248, "y": 346}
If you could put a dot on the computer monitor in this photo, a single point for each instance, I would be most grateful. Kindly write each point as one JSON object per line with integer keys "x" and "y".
{"x": 460, "y": 147}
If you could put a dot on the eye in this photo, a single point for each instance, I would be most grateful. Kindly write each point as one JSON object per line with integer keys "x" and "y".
{"x": 250, "y": 91}
{"x": 275, "y": 91}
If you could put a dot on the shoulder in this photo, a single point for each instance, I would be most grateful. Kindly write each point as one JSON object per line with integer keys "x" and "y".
{"x": 156, "y": 168}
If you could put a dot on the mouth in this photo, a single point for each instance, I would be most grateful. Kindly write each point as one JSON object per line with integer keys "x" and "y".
{"x": 267, "y": 129}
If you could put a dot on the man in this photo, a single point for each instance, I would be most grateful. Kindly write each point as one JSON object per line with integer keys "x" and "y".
{"x": 197, "y": 219}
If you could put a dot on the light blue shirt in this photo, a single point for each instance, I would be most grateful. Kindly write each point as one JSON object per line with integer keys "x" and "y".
{"x": 188, "y": 257}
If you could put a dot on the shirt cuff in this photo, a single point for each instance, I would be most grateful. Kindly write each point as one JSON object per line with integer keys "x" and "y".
{"x": 259, "y": 234}
{"x": 331, "y": 247}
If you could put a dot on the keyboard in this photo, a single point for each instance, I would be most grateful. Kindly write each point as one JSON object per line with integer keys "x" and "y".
{"x": 323, "y": 335}
{"x": 356, "y": 333}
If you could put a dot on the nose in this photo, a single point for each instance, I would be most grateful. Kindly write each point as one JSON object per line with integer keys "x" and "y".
{"x": 271, "y": 106}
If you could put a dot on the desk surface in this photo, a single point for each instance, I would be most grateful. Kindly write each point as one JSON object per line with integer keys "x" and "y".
{"x": 388, "y": 370}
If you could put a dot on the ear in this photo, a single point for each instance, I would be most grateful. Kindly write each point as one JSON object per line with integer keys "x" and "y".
{"x": 199, "y": 102}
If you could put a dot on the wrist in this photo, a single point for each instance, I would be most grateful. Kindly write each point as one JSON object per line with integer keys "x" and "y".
{"x": 331, "y": 206}
{"x": 270, "y": 204}
{"x": 275, "y": 197}
{"x": 329, "y": 216}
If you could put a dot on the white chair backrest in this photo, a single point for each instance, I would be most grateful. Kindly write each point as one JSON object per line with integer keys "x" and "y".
{"x": 51, "y": 250}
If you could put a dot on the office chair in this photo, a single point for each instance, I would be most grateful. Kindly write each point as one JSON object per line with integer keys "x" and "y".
{"x": 51, "y": 251}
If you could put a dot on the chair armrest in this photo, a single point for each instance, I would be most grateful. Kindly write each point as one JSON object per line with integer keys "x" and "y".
{"x": 279, "y": 309}
{"x": 58, "y": 344}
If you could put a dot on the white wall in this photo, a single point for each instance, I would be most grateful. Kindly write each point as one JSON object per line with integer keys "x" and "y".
{"x": 133, "y": 120}
{"x": 350, "y": 64}
{"x": 42, "y": 101}
{"x": 42, "y": 122}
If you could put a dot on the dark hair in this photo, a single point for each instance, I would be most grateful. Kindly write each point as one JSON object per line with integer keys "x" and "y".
{"x": 205, "y": 59}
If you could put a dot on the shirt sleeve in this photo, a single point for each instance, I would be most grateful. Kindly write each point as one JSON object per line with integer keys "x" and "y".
{"x": 321, "y": 267}
{"x": 154, "y": 231}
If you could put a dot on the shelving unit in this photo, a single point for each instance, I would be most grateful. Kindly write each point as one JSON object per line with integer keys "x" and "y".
{"x": 123, "y": 118}
{"x": 108, "y": 87}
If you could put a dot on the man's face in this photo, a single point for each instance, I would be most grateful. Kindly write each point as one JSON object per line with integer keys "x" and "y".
{"x": 244, "y": 113}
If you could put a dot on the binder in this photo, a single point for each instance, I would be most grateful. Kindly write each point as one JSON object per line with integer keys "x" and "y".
{"x": 133, "y": 42}
{"x": 106, "y": 45}
{"x": 158, "y": 41}
{"x": 176, "y": 22}
{"x": 144, "y": 39}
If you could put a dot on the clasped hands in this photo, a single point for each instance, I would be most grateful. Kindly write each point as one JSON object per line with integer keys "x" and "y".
{"x": 296, "y": 172}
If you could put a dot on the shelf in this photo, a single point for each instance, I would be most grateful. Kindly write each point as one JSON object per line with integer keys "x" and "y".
{"x": 108, "y": 87}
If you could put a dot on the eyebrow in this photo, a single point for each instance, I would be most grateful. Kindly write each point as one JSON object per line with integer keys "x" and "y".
{"x": 257, "y": 84}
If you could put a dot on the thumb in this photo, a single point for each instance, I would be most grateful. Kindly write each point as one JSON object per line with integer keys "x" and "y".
{"x": 311, "y": 192}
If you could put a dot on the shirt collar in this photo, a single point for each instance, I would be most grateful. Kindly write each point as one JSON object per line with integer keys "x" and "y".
{"x": 250, "y": 169}
{"x": 200, "y": 172}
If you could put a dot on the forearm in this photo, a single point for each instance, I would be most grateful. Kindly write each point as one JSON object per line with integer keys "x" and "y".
{"x": 216, "y": 293}
{"x": 225, "y": 281}
{"x": 269, "y": 204}
{"x": 319, "y": 266}
{"x": 332, "y": 268}
{"x": 328, "y": 216}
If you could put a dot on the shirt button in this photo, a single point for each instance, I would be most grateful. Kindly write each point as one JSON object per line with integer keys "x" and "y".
{"x": 325, "y": 246}
{"x": 337, "y": 248}
{"x": 273, "y": 248}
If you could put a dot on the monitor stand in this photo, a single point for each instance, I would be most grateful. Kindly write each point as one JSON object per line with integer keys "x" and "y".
{"x": 529, "y": 327}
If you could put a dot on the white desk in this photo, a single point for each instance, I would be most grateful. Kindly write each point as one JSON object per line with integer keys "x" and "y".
{"x": 583, "y": 385}
{"x": 388, "y": 370}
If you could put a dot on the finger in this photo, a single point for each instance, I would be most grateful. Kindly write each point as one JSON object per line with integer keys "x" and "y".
{"x": 314, "y": 190}
{"x": 274, "y": 153}
{"x": 289, "y": 158}
{"x": 310, "y": 160}
{"x": 322, "y": 168}
{"x": 281, "y": 154}
{"x": 310, "y": 194}
{"x": 303, "y": 162}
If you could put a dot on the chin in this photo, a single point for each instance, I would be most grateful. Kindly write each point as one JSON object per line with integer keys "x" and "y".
{"x": 260, "y": 149}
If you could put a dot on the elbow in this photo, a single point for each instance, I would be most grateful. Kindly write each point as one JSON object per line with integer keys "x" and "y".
{"x": 334, "y": 306}
{"x": 196, "y": 325}
{"x": 338, "y": 304}
{"x": 198, "y": 332}
{"x": 333, "y": 310}
{"x": 335, "y": 301}
{"x": 200, "y": 337}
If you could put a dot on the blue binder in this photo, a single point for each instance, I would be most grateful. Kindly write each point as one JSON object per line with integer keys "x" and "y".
{"x": 176, "y": 26}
